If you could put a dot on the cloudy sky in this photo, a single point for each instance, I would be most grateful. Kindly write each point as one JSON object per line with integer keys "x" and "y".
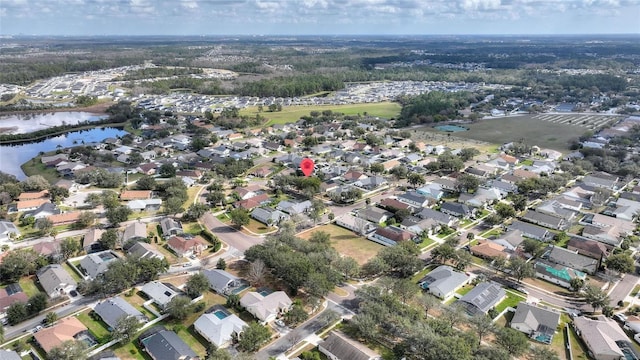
{"x": 204, "y": 17}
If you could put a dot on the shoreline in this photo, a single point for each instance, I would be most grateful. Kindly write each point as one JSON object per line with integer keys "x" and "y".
{"x": 61, "y": 132}
{"x": 99, "y": 108}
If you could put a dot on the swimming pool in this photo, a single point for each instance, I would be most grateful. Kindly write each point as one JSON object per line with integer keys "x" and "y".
{"x": 450, "y": 128}
{"x": 220, "y": 314}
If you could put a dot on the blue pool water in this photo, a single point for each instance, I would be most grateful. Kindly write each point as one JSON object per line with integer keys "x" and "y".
{"x": 450, "y": 128}
{"x": 220, "y": 314}
{"x": 264, "y": 292}
{"x": 544, "y": 338}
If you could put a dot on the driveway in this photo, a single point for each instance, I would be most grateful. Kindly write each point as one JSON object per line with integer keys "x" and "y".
{"x": 623, "y": 288}
{"x": 235, "y": 239}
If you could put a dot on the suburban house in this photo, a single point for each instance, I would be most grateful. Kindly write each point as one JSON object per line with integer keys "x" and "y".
{"x": 8, "y": 230}
{"x": 128, "y": 195}
{"x": 187, "y": 246}
{"x": 55, "y": 280}
{"x": 601, "y": 180}
{"x": 221, "y": 281}
{"x": 488, "y": 249}
{"x": 432, "y": 190}
{"x": 294, "y": 208}
{"x": 10, "y": 294}
{"x": 603, "y": 337}
{"x": 593, "y": 249}
{"x": 337, "y": 346}
{"x": 482, "y": 298}
{"x": 510, "y": 240}
{"x": 414, "y": 199}
{"x": 557, "y": 274}
{"x": 44, "y": 194}
{"x": 441, "y": 218}
{"x": 161, "y": 293}
{"x": 113, "y": 309}
{"x": 572, "y": 259}
{"x": 552, "y": 222}
{"x": 64, "y": 218}
{"x": 90, "y": 240}
{"x": 607, "y": 235}
{"x": 443, "y": 281}
{"x": 456, "y": 209}
{"x": 268, "y": 216}
{"x": 9, "y": 355}
{"x": 374, "y": 214}
{"x": 97, "y": 263}
{"x": 144, "y": 250}
{"x": 162, "y": 344}
{"x": 170, "y": 227}
{"x": 419, "y": 226}
{"x": 266, "y": 308}
{"x": 390, "y": 235}
{"x": 394, "y": 204}
{"x": 540, "y": 324}
{"x": 531, "y": 231}
{"x": 355, "y": 224}
{"x": 219, "y": 328}
{"x": 66, "y": 329}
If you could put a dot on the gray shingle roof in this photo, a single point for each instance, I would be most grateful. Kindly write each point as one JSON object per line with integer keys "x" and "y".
{"x": 219, "y": 279}
{"x": 111, "y": 310}
{"x": 344, "y": 348}
{"x": 542, "y": 320}
{"x": 483, "y": 297}
{"x": 166, "y": 345}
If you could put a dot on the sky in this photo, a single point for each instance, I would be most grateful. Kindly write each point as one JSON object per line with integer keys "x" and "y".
{"x": 317, "y": 17}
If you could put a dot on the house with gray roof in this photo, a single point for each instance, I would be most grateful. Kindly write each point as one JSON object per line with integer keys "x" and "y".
{"x": 268, "y": 216}
{"x": 90, "y": 240}
{"x": 7, "y": 230}
{"x": 162, "y": 344}
{"x": 219, "y": 328}
{"x": 482, "y": 298}
{"x": 337, "y": 346}
{"x": 161, "y": 293}
{"x": 456, "y": 209}
{"x": 9, "y": 355}
{"x": 443, "y": 281}
{"x": 170, "y": 227}
{"x": 432, "y": 190}
{"x": 531, "y": 231}
{"x": 221, "y": 281}
{"x": 604, "y": 338}
{"x": 97, "y": 263}
{"x": 572, "y": 259}
{"x": 414, "y": 199}
{"x": 510, "y": 240}
{"x": 419, "y": 226}
{"x": 439, "y": 217}
{"x": 538, "y": 323}
{"x": 601, "y": 180}
{"x": 294, "y": 208}
{"x": 113, "y": 309}
{"x": 55, "y": 280}
{"x": 374, "y": 214}
{"x": 145, "y": 250}
{"x": 545, "y": 220}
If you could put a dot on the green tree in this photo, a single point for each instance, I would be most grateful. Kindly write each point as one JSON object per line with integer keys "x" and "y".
{"x": 534, "y": 247}
{"x": 253, "y": 337}
{"x": 576, "y": 284}
{"x": 37, "y": 303}
{"x": 85, "y": 219}
{"x": 296, "y": 315}
{"x": 118, "y": 215}
{"x": 467, "y": 183}
{"x": 542, "y": 353}
{"x": 215, "y": 198}
{"x": 109, "y": 239}
{"x": 126, "y": 329}
{"x": 173, "y": 205}
{"x": 17, "y": 312}
{"x": 69, "y": 247}
{"x": 35, "y": 183}
{"x": 196, "y": 285}
{"x": 415, "y": 179}
{"x": 51, "y": 318}
{"x": 179, "y": 307}
{"x": 58, "y": 193}
{"x": 45, "y": 225}
{"x": 482, "y": 325}
{"x": 620, "y": 262}
{"x": 595, "y": 297}
{"x": 233, "y": 301}
{"x": 221, "y": 264}
{"x": 515, "y": 342}
{"x": 505, "y": 211}
{"x": 239, "y": 217}
{"x": 68, "y": 350}
{"x": 348, "y": 266}
{"x": 167, "y": 171}
{"x": 376, "y": 168}
{"x": 146, "y": 182}
{"x": 520, "y": 268}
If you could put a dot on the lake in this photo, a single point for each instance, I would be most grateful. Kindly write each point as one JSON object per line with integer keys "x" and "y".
{"x": 12, "y": 156}
{"x": 25, "y": 123}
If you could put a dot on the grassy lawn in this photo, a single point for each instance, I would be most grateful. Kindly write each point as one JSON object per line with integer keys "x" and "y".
{"x": 74, "y": 274}
{"x": 97, "y": 328}
{"x": 425, "y": 242}
{"x": 191, "y": 193}
{"x": 578, "y": 348}
{"x": 465, "y": 289}
{"x": 192, "y": 228}
{"x": 492, "y": 232}
{"x": 527, "y": 162}
{"x": 137, "y": 301}
{"x": 36, "y": 167}
{"x": 417, "y": 277}
{"x": 635, "y": 291}
{"x": 465, "y": 222}
{"x": 293, "y": 113}
{"x": 28, "y": 285}
{"x": 257, "y": 227}
{"x": 546, "y": 285}
{"x": 347, "y": 243}
{"x": 130, "y": 351}
{"x": 547, "y": 134}
{"x": 505, "y": 319}
{"x": 511, "y": 300}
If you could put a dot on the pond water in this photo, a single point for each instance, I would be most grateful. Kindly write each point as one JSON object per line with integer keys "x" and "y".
{"x": 25, "y": 123}
{"x": 12, "y": 156}
{"x": 450, "y": 128}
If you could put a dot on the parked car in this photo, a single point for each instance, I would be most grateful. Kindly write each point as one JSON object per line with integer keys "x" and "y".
{"x": 620, "y": 318}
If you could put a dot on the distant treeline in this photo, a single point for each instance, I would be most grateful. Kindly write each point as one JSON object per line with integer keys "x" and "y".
{"x": 289, "y": 86}
{"x": 155, "y": 72}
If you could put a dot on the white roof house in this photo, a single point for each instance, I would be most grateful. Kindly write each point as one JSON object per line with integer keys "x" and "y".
{"x": 443, "y": 281}
{"x": 266, "y": 308}
{"x": 160, "y": 293}
{"x": 219, "y": 331}
{"x": 602, "y": 337}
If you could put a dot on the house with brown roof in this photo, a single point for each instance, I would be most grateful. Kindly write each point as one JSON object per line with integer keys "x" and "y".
{"x": 65, "y": 218}
{"x": 593, "y": 249}
{"x": 128, "y": 195}
{"x": 524, "y": 174}
{"x": 394, "y": 204}
{"x": 67, "y": 329}
{"x": 353, "y": 175}
{"x": 488, "y": 249}
{"x": 48, "y": 248}
{"x": 263, "y": 172}
{"x": 33, "y": 195}
{"x": 11, "y": 294}
{"x": 187, "y": 246}
{"x": 91, "y": 238}
{"x": 253, "y": 202}
{"x": 27, "y": 205}
{"x": 390, "y": 235}
{"x": 511, "y": 160}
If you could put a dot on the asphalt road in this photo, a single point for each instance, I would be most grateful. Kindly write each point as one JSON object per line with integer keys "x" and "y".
{"x": 235, "y": 239}
{"x": 623, "y": 288}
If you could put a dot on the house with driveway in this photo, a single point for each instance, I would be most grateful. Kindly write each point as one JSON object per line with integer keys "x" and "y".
{"x": 338, "y": 346}
{"x": 113, "y": 309}
{"x": 482, "y": 298}
{"x": 538, "y": 323}
{"x": 160, "y": 293}
{"x": 67, "y": 329}
{"x": 162, "y": 344}
{"x": 604, "y": 338}
{"x": 219, "y": 327}
{"x": 55, "y": 280}
{"x": 443, "y": 281}
{"x": 266, "y": 308}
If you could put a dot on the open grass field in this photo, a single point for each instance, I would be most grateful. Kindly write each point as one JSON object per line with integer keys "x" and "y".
{"x": 347, "y": 243}
{"x": 293, "y": 113}
{"x": 97, "y": 328}
{"x": 552, "y": 132}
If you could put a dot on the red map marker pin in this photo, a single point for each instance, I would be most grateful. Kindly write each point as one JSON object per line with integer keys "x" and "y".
{"x": 306, "y": 166}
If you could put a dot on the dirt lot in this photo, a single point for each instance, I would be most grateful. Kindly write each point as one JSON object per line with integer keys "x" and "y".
{"x": 347, "y": 243}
